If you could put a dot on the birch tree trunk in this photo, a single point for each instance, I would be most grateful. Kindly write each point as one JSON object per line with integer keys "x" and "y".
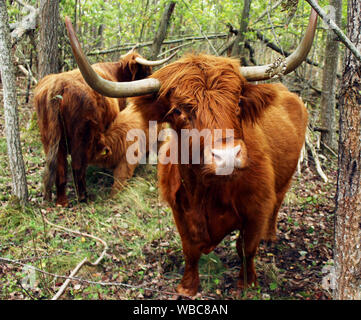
{"x": 16, "y": 161}
{"x": 328, "y": 96}
{"x": 48, "y": 43}
{"x": 348, "y": 197}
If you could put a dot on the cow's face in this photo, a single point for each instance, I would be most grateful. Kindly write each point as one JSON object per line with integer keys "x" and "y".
{"x": 131, "y": 70}
{"x": 101, "y": 150}
{"x": 208, "y": 98}
{"x": 212, "y": 144}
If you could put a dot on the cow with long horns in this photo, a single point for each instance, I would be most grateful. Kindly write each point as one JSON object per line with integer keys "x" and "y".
{"x": 74, "y": 119}
{"x": 262, "y": 132}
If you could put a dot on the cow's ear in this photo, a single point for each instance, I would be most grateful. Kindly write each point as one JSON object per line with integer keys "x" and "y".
{"x": 254, "y": 99}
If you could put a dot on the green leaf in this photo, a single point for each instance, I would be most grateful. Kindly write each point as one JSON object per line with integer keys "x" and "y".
{"x": 273, "y": 286}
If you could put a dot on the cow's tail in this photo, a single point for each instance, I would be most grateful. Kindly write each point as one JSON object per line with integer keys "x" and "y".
{"x": 54, "y": 136}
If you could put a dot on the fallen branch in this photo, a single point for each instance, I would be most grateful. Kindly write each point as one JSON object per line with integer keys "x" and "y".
{"x": 302, "y": 157}
{"x": 84, "y": 261}
{"x": 67, "y": 281}
{"x": 101, "y": 283}
{"x": 26, "y": 72}
{"x": 227, "y": 45}
{"x": 128, "y": 46}
{"x": 329, "y": 149}
{"x": 175, "y": 48}
{"x": 315, "y": 156}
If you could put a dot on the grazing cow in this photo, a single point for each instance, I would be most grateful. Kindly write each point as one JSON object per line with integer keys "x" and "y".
{"x": 73, "y": 119}
{"x": 117, "y": 140}
{"x": 267, "y": 126}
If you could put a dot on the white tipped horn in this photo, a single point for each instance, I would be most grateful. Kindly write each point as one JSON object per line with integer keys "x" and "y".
{"x": 150, "y": 63}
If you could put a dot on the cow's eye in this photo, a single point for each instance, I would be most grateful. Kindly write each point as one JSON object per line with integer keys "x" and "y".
{"x": 177, "y": 112}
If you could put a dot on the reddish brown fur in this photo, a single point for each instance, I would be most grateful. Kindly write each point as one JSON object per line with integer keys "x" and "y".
{"x": 73, "y": 118}
{"x": 117, "y": 144}
{"x": 268, "y": 120}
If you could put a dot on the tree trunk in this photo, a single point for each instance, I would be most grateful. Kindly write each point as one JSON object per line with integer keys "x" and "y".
{"x": 162, "y": 30}
{"x": 238, "y": 46}
{"x": 328, "y": 96}
{"x": 16, "y": 162}
{"x": 48, "y": 51}
{"x": 348, "y": 197}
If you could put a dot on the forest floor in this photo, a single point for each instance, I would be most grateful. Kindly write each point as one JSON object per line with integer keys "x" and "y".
{"x": 144, "y": 257}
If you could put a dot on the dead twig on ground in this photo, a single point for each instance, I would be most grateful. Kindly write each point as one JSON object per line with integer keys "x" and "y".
{"x": 84, "y": 261}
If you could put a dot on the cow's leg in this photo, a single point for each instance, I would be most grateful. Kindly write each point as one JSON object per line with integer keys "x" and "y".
{"x": 247, "y": 244}
{"x": 79, "y": 169}
{"x": 61, "y": 177}
{"x": 122, "y": 173}
{"x": 190, "y": 282}
{"x": 191, "y": 251}
{"x": 272, "y": 225}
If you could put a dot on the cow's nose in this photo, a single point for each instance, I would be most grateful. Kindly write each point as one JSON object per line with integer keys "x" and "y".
{"x": 227, "y": 157}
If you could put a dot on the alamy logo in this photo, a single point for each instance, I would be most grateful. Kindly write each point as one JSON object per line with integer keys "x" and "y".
{"x": 206, "y": 147}
{"x": 329, "y": 280}
{"x": 29, "y": 279}
{"x": 331, "y": 15}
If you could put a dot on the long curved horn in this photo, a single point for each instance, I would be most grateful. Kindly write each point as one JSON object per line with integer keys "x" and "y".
{"x": 257, "y": 73}
{"x": 106, "y": 87}
{"x": 146, "y": 62}
{"x": 130, "y": 51}
{"x": 150, "y": 63}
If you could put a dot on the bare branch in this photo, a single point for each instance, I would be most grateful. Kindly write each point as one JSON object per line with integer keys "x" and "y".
{"x": 266, "y": 11}
{"x": 128, "y": 46}
{"x": 342, "y": 37}
{"x": 315, "y": 157}
{"x": 25, "y": 25}
{"x": 84, "y": 261}
{"x": 200, "y": 27}
{"x": 101, "y": 283}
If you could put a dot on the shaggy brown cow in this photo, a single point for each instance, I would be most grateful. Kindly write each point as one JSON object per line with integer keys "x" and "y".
{"x": 116, "y": 144}
{"x": 73, "y": 119}
{"x": 268, "y": 124}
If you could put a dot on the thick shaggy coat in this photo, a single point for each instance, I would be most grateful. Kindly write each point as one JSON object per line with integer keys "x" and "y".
{"x": 269, "y": 123}
{"x": 74, "y": 119}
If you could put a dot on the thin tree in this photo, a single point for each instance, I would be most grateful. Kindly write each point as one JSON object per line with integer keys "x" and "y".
{"x": 348, "y": 196}
{"x": 162, "y": 29}
{"x": 48, "y": 42}
{"x": 328, "y": 96}
{"x": 16, "y": 161}
{"x": 238, "y": 46}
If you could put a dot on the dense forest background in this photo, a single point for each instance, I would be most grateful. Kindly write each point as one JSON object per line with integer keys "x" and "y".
{"x": 143, "y": 257}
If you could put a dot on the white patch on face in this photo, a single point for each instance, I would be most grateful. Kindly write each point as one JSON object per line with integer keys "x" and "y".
{"x": 226, "y": 160}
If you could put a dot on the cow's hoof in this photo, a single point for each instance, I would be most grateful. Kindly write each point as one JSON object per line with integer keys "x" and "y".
{"x": 271, "y": 237}
{"x": 190, "y": 292}
{"x": 114, "y": 192}
{"x": 242, "y": 286}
